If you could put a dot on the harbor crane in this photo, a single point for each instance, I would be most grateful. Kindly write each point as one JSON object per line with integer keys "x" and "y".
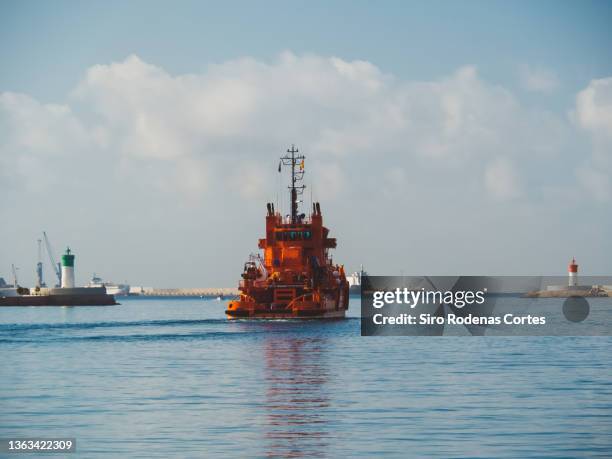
{"x": 54, "y": 265}
{"x": 14, "y": 270}
{"x": 39, "y": 267}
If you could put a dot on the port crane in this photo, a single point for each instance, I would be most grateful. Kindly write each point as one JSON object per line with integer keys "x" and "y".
{"x": 54, "y": 265}
{"x": 39, "y": 267}
{"x": 14, "y": 270}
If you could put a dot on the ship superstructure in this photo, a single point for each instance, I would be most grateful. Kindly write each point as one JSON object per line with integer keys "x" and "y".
{"x": 296, "y": 277}
{"x": 354, "y": 281}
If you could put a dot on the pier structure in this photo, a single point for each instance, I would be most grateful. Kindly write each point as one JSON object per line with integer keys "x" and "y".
{"x": 186, "y": 292}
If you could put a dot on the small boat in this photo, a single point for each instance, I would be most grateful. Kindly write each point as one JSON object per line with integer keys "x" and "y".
{"x": 111, "y": 288}
{"x": 296, "y": 277}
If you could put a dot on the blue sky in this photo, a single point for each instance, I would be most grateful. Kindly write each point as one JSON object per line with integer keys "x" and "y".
{"x": 45, "y": 46}
{"x": 441, "y": 137}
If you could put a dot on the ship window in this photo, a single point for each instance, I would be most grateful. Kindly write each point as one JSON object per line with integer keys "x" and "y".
{"x": 293, "y": 235}
{"x": 307, "y": 234}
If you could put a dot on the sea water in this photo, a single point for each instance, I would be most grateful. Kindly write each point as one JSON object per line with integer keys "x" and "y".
{"x": 174, "y": 378}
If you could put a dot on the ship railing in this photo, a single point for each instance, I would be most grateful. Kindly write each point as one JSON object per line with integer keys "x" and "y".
{"x": 300, "y": 298}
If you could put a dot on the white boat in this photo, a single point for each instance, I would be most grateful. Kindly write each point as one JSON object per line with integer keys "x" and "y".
{"x": 111, "y": 288}
{"x": 354, "y": 281}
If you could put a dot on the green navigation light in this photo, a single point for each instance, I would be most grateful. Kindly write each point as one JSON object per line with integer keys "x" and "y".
{"x": 68, "y": 258}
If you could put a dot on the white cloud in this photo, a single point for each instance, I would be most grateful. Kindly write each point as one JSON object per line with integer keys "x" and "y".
{"x": 538, "y": 79}
{"x": 132, "y": 112}
{"x": 593, "y": 113}
{"x": 501, "y": 179}
{"x": 137, "y": 146}
{"x": 597, "y": 183}
{"x": 28, "y": 125}
{"x": 35, "y": 138}
{"x": 594, "y": 109}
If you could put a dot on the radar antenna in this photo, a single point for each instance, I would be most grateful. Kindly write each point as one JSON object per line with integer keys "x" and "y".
{"x": 297, "y": 174}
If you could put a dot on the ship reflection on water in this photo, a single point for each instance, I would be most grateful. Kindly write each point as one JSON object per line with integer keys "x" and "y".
{"x": 297, "y": 403}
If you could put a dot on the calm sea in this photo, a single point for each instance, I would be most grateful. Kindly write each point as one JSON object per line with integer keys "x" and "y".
{"x": 173, "y": 378}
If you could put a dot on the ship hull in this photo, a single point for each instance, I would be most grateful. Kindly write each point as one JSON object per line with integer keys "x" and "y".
{"x": 58, "y": 300}
{"x": 117, "y": 291}
{"x": 285, "y": 315}
{"x": 328, "y": 308}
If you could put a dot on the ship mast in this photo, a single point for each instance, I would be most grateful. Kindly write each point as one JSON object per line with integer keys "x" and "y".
{"x": 296, "y": 176}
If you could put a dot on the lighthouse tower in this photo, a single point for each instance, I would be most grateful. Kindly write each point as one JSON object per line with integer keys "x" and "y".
{"x": 68, "y": 269}
{"x": 572, "y": 271}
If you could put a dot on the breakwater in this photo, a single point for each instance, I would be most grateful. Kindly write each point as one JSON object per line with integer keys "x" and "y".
{"x": 188, "y": 292}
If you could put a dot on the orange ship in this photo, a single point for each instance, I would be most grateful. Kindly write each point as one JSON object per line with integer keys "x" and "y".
{"x": 296, "y": 278}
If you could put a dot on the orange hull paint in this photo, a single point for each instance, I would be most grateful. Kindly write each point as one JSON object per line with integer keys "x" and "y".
{"x": 289, "y": 316}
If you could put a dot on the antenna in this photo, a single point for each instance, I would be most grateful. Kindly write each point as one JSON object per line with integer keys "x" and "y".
{"x": 296, "y": 177}
{"x": 278, "y": 187}
{"x": 311, "y": 201}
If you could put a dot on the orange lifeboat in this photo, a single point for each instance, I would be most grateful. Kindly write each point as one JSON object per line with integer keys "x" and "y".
{"x": 296, "y": 278}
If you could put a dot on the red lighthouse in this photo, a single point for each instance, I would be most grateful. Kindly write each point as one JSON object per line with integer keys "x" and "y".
{"x": 572, "y": 271}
